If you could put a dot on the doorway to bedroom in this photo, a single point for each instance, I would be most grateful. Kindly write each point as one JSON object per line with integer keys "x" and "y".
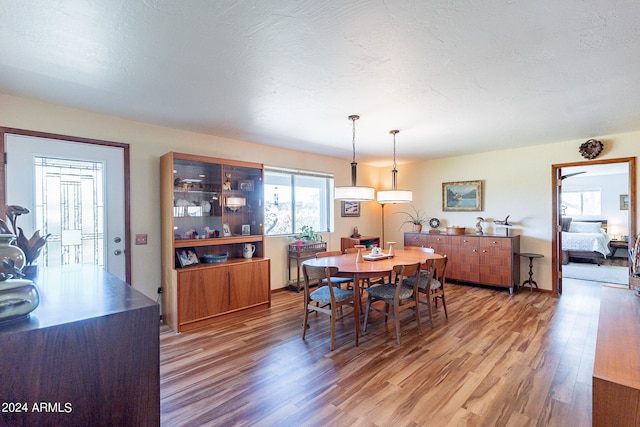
{"x": 594, "y": 209}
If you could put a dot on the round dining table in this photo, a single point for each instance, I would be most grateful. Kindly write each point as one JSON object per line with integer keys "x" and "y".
{"x": 367, "y": 269}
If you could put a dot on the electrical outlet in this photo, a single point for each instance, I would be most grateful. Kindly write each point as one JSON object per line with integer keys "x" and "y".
{"x": 141, "y": 239}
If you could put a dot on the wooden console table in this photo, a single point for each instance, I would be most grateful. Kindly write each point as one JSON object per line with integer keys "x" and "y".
{"x": 300, "y": 252}
{"x": 89, "y": 354}
{"x": 616, "y": 370}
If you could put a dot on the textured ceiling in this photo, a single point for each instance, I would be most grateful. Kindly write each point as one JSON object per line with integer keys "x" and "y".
{"x": 455, "y": 76}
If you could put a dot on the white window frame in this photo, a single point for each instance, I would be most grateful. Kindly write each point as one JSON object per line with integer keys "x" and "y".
{"x": 326, "y": 206}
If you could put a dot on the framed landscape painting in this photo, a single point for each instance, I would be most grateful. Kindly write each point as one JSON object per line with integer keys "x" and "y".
{"x": 463, "y": 196}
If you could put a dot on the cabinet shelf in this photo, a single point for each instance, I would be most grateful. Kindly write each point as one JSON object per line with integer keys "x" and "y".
{"x": 185, "y": 243}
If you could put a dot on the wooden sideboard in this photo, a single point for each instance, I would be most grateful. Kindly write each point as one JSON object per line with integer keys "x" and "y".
{"x": 484, "y": 259}
{"x": 616, "y": 368}
{"x": 89, "y": 354}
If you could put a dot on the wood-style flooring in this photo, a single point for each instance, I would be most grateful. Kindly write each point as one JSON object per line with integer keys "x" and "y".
{"x": 497, "y": 361}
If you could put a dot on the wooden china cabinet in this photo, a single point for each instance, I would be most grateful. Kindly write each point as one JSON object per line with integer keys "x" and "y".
{"x": 212, "y": 212}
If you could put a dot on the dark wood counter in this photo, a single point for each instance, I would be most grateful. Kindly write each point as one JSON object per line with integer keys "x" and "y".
{"x": 616, "y": 370}
{"x": 88, "y": 355}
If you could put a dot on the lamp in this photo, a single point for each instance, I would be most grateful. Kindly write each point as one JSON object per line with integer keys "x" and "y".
{"x": 233, "y": 203}
{"x": 394, "y": 195}
{"x": 354, "y": 192}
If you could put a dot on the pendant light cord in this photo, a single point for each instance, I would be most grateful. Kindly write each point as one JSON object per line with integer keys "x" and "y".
{"x": 394, "y": 172}
{"x": 354, "y": 165}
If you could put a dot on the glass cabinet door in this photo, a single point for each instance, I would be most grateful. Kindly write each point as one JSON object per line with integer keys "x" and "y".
{"x": 197, "y": 202}
{"x": 242, "y": 201}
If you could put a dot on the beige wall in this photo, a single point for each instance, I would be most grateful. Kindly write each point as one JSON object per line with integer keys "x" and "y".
{"x": 149, "y": 142}
{"x": 517, "y": 182}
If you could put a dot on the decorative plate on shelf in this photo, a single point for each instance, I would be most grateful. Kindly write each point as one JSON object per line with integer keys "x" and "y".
{"x": 434, "y": 223}
{"x": 591, "y": 149}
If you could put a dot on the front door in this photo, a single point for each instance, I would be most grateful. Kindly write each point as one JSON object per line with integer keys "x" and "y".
{"x": 76, "y": 192}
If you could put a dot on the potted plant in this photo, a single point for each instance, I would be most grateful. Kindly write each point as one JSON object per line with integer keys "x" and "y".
{"x": 32, "y": 246}
{"x": 307, "y": 234}
{"x": 417, "y": 218}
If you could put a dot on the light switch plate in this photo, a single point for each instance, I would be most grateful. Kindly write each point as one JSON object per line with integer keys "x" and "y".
{"x": 141, "y": 239}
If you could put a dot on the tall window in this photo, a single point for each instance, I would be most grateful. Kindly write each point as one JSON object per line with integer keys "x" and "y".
{"x": 581, "y": 202}
{"x": 295, "y": 198}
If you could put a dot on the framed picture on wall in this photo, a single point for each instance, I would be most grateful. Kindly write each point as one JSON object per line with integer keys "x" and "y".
{"x": 463, "y": 196}
{"x": 350, "y": 208}
{"x": 624, "y": 202}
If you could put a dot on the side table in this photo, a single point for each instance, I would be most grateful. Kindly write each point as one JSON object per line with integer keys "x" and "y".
{"x": 614, "y": 245}
{"x": 530, "y": 282}
{"x": 300, "y": 252}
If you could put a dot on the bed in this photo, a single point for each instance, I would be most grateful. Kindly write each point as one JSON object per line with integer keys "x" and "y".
{"x": 584, "y": 240}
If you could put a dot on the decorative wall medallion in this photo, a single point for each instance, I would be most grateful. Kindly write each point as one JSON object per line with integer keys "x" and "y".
{"x": 434, "y": 222}
{"x": 591, "y": 149}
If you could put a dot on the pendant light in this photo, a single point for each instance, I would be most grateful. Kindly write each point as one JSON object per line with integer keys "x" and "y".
{"x": 394, "y": 195}
{"x": 354, "y": 193}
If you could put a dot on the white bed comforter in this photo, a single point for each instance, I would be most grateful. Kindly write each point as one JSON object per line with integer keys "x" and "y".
{"x": 592, "y": 242}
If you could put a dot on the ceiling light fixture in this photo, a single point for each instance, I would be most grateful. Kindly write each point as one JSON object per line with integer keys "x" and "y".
{"x": 354, "y": 193}
{"x": 394, "y": 195}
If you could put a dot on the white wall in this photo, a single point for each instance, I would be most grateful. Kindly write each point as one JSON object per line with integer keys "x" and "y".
{"x": 516, "y": 182}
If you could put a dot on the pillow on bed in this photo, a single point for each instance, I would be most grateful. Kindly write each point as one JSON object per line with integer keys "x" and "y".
{"x": 585, "y": 227}
{"x": 566, "y": 222}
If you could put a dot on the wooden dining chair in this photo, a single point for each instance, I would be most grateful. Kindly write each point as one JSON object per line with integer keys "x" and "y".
{"x": 330, "y": 299}
{"x": 396, "y": 295}
{"x": 336, "y": 281}
{"x": 431, "y": 284}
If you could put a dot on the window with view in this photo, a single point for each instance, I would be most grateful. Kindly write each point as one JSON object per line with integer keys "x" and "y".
{"x": 296, "y": 198}
{"x": 581, "y": 202}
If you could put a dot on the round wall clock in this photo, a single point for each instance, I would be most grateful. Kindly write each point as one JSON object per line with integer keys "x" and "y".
{"x": 434, "y": 222}
{"x": 591, "y": 149}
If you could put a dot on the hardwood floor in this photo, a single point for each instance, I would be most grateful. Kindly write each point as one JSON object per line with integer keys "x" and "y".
{"x": 521, "y": 361}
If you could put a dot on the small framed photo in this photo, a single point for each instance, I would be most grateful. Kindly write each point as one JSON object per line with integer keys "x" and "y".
{"x": 246, "y": 185}
{"x": 624, "y": 202}
{"x": 246, "y": 229}
{"x": 226, "y": 230}
{"x": 464, "y": 196}
{"x": 187, "y": 257}
{"x": 350, "y": 208}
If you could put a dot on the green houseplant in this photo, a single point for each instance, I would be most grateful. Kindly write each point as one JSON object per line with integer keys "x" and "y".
{"x": 307, "y": 234}
{"x": 416, "y": 218}
{"x": 30, "y": 246}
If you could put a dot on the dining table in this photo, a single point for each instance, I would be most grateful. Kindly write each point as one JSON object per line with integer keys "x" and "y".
{"x": 375, "y": 267}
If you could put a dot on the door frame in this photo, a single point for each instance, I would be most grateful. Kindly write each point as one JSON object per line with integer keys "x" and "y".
{"x": 556, "y": 259}
{"x": 127, "y": 175}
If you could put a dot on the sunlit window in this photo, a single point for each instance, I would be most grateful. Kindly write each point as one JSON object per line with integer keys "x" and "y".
{"x": 297, "y": 198}
{"x": 581, "y": 202}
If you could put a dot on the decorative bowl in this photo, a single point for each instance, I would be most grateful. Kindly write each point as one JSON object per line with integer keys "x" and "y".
{"x": 214, "y": 258}
{"x": 456, "y": 230}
